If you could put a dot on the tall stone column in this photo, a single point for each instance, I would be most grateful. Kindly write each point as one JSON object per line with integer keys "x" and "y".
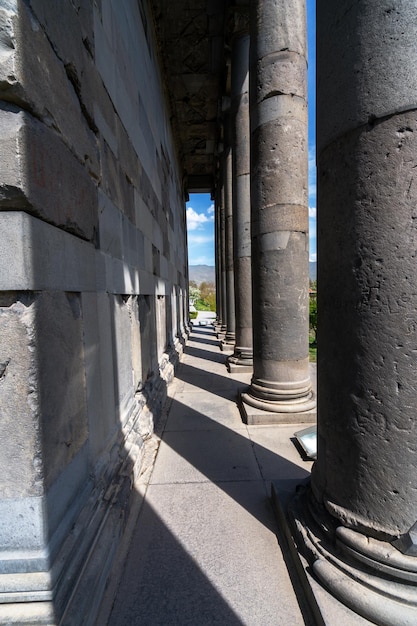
{"x": 364, "y": 483}
{"x": 228, "y": 212}
{"x": 222, "y": 238}
{"x": 217, "y": 260}
{"x": 242, "y": 356}
{"x": 281, "y": 388}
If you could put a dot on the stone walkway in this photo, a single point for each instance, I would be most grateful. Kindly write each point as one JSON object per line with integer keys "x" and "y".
{"x": 205, "y": 548}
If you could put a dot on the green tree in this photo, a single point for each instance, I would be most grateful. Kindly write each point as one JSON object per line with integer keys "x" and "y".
{"x": 194, "y": 293}
{"x": 313, "y": 316}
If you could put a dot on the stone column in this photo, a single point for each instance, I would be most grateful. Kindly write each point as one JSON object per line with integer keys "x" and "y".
{"x": 281, "y": 388}
{"x": 242, "y": 356}
{"x": 217, "y": 260}
{"x": 364, "y": 483}
{"x": 228, "y": 213}
{"x": 222, "y": 255}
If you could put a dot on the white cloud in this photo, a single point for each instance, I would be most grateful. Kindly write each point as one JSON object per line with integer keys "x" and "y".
{"x": 313, "y": 257}
{"x": 194, "y": 240}
{"x": 196, "y": 220}
{"x": 312, "y": 211}
{"x": 210, "y": 210}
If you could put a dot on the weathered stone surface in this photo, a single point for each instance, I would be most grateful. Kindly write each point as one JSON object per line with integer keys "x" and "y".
{"x": 60, "y": 379}
{"x": 282, "y": 146}
{"x": 99, "y": 371}
{"x": 21, "y": 461}
{"x": 43, "y": 389}
{"x": 279, "y": 21}
{"x": 375, "y": 227}
{"x": 241, "y": 202}
{"x": 115, "y": 183}
{"x": 47, "y": 89}
{"x": 43, "y": 176}
{"x": 122, "y": 355}
{"x": 228, "y": 202}
{"x": 358, "y": 77}
{"x": 37, "y": 256}
{"x": 148, "y": 326}
{"x": 110, "y": 227}
{"x": 136, "y": 342}
{"x": 282, "y": 72}
{"x": 21, "y": 527}
{"x": 279, "y": 194}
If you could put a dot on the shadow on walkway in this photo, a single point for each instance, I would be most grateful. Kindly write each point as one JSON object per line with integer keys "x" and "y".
{"x": 204, "y": 549}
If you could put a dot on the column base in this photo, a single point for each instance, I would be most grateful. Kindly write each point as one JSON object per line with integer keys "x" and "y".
{"x": 241, "y": 361}
{"x": 227, "y": 344}
{"x": 279, "y": 405}
{"x": 269, "y": 413}
{"x": 239, "y": 366}
{"x": 370, "y": 577}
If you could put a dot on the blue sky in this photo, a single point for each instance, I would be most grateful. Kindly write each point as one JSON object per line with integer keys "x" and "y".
{"x": 200, "y": 209}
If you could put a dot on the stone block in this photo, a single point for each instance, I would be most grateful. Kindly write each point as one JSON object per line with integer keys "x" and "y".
{"x": 110, "y": 227}
{"x": 144, "y": 219}
{"x": 136, "y": 343}
{"x": 278, "y": 23}
{"x": 69, "y": 26}
{"x": 44, "y": 177}
{"x": 122, "y": 355}
{"x": 114, "y": 182}
{"x": 48, "y": 88}
{"x": 147, "y": 319}
{"x": 147, "y": 283}
{"x": 21, "y": 468}
{"x": 280, "y": 150}
{"x": 99, "y": 362}
{"x": 37, "y": 256}
{"x": 60, "y": 379}
{"x": 128, "y": 157}
{"x": 121, "y": 278}
{"x": 283, "y": 72}
{"x": 140, "y": 250}
{"x": 129, "y": 242}
{"x": 43, "y": 391}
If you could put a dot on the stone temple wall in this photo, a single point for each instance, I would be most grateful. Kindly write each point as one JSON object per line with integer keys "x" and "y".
{"x": 92, "y": 291}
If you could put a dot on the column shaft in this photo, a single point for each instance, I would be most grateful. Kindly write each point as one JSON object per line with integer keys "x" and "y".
{"x": 222, "y": 216}
{"x": 279, "y": 207}
{"x": 228, "y": 208}
{"x": 217, "y": 259}
{"x": 242, "y": 357}
{"x": 364, "y": 480}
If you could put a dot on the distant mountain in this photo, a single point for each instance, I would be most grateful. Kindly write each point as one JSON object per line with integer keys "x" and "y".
{"x": 313, "y": 270}
{"x": 202, "y": 273}
{"x": 205, "y": 273}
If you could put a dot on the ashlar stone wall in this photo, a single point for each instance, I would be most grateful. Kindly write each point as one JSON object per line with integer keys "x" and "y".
{"x": 92, "y": 290}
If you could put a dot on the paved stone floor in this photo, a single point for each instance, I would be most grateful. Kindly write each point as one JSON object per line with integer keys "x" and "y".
{"x": 205, "y": 548}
